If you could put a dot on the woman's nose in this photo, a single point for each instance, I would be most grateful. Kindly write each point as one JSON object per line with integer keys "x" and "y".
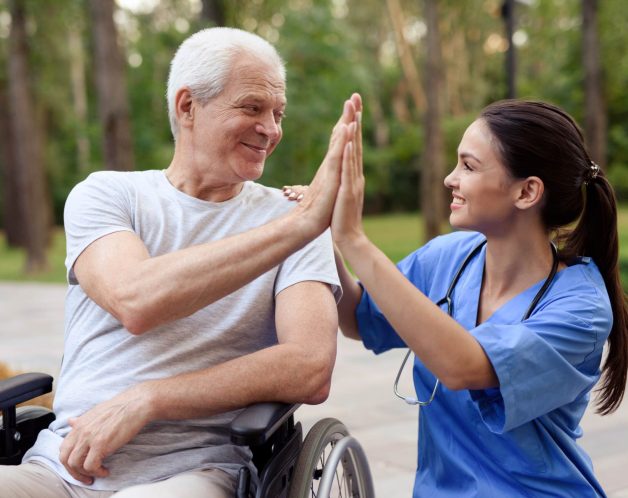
{"x": 450, "y": 179}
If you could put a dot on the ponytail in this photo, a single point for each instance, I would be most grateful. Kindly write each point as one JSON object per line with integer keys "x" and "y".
{"x": 540, "y": 139}
{"x": 596, "y": 236}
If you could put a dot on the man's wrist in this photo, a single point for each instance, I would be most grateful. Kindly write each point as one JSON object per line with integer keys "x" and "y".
{"x": 147, "y": 396}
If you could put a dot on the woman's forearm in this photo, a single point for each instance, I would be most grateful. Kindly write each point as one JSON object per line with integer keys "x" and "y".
{"x": 442, "y": 344}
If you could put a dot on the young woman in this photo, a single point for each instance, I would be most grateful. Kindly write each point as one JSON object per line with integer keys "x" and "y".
{"x": 508, "y": 315}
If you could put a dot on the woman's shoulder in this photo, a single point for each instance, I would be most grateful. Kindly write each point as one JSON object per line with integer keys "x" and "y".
{"x": 583, "y": 283}
{"x": 457, "y": 241}
{"x": 440, "y": 257}
{"x": 454, "y": 245}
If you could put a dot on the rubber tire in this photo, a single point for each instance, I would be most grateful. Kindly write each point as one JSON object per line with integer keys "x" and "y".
{"x": 325, "y": 432}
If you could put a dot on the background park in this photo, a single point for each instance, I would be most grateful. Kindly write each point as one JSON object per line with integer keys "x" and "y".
{"x": 82, "y": 85}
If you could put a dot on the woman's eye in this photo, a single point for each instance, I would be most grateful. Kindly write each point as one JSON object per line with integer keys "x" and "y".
{"x": 466, "y": 166}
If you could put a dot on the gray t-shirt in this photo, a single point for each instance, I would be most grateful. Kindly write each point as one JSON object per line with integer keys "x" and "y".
{"x": 101, "y": 358}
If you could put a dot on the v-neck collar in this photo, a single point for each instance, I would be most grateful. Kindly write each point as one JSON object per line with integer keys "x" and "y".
{"x": 466, "y": 296}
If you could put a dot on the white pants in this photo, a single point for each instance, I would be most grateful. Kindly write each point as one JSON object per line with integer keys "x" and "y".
{"x": 35, "y": 480}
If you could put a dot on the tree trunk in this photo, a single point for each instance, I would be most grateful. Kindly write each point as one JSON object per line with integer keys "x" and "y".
{"x": 14, "y": 226}
{"x": 433, "y": 167}
{"x": 112, "y": 90}
{"x": 408, "y": 65}
{"x": 213, "y": 11}
{"x": 32, "y": 197}
{"x": 595, "y": 125}
{"x": 79, "y": 97}
{"x": 508, "y": 13}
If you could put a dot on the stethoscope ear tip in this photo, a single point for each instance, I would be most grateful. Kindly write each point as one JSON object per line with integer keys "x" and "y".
{"x": 411, "y": 401}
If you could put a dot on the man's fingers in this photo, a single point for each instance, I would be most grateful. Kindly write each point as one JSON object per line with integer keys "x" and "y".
{"x": 347, "y": 116}
{"x": 338, "y": 141}
{"x": 93, "y": 462}
{"x": 73, "y": 462}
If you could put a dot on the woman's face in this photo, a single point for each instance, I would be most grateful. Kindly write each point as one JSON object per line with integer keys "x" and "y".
{"x": 483, "y": 190}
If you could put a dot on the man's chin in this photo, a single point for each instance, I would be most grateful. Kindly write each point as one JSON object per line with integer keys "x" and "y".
{"x": 253, "y": 173}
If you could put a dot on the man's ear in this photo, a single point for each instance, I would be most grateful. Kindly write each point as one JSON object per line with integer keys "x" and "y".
{"x": 183, "y": 107}
{"x": 530, "y": 192}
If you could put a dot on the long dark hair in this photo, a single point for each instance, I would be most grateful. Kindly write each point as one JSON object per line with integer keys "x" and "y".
{"x": 540, "y": 139}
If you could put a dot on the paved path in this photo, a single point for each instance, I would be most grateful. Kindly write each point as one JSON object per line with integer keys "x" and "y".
{"x": 31, "y": 338}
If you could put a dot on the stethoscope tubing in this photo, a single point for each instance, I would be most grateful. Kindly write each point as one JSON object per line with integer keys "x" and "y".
{"x": 450, "y": 307}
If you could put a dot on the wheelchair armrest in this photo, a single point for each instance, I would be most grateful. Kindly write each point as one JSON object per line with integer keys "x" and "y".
{"x": 22, "y": 388}
{"x": 257, "y": 423}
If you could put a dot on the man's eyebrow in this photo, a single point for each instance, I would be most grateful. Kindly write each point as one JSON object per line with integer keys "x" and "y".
{"x": 258, "y": 99}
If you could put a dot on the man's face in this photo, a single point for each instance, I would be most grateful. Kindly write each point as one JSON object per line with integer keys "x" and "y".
{"x": 236, "y": 131}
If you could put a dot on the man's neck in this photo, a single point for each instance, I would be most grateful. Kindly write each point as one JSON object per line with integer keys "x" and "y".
{"x": 202, "y": 185}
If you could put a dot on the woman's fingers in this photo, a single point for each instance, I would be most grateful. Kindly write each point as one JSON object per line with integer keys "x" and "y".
{"x": 294, "y": 192}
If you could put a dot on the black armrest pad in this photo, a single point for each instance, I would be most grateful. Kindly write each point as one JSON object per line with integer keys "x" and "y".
{"x": 257, "y": 423}
{"x": 23, "y": 387}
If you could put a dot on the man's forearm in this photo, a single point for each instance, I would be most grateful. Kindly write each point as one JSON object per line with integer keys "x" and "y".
{"x": 164, "y": 288}
{"x": 283, "y": 373}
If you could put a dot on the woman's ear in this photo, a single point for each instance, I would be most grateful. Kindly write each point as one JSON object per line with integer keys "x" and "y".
{"x": 530, "y": 192}
{"x": 183, "y": 107}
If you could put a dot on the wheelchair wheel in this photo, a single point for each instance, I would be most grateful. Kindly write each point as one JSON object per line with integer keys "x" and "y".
{"x": 349, "y": 476}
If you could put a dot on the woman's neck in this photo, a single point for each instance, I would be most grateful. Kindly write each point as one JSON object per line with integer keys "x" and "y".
{"x": 512, "y": 265}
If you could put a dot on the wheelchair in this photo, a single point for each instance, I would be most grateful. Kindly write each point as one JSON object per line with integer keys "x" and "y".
{"x": 327, "y": 463}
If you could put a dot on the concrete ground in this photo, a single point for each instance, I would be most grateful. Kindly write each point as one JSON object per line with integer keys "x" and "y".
{"x": 31, "y": 339}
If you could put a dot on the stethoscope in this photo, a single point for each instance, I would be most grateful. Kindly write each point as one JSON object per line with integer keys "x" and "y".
{"x": 450, "y": 309}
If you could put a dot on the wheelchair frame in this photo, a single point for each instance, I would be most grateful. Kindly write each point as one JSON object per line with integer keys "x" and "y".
{"x": 288, "y": 466}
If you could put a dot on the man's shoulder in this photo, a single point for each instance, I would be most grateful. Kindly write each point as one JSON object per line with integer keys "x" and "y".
{"x": 117, "y": 177}
{"x": 270, "y": 198}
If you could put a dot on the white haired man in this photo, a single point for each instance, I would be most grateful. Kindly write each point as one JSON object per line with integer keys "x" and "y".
{"x": 193, "y": 292}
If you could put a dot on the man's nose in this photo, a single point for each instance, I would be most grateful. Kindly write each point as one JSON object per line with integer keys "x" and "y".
{"x": 269, "y": 127}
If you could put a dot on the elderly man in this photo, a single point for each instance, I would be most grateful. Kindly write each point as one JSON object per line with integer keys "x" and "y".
{"x": 193, "y": 292}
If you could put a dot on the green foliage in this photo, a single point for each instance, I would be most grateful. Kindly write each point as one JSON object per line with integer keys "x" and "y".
{"x": 318, "y": 54}
{"x": 332, "y": 48}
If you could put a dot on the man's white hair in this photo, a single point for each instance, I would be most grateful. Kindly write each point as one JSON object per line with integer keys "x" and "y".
{"x": 203, "y": 62}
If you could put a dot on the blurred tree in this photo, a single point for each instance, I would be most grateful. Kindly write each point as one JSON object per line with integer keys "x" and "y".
{"x": 111, "y": 86}
{"x": 319, "y": 50}
{"x": 613, "y": 39}
{"x": 12, "y": 222}
{"x": 433, "y": 164}
{"x": 31, "y": 189}
{"x": 508, "y": 14}
{"x": 406, "y": 58}
{"x": 79, "y": 95}
{"x": 594, "y": 108}
{"x": 213, "y": 11}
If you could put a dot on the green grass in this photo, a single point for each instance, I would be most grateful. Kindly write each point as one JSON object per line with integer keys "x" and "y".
{"x": 396, "y": 234}
{"x": 12, "y": 261}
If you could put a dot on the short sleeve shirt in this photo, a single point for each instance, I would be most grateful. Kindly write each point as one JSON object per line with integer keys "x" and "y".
{"x": 101, "y": 358}
{"x": 518, "y": 439}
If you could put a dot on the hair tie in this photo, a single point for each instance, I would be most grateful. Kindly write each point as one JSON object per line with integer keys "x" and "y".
{"x": 591, "y": 175}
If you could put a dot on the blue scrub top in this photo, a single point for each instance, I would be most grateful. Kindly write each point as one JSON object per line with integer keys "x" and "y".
{"x": 518, "y": 439}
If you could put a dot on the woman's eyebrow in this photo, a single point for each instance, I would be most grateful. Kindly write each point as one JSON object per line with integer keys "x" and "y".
{"x": 464, "y": 155}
